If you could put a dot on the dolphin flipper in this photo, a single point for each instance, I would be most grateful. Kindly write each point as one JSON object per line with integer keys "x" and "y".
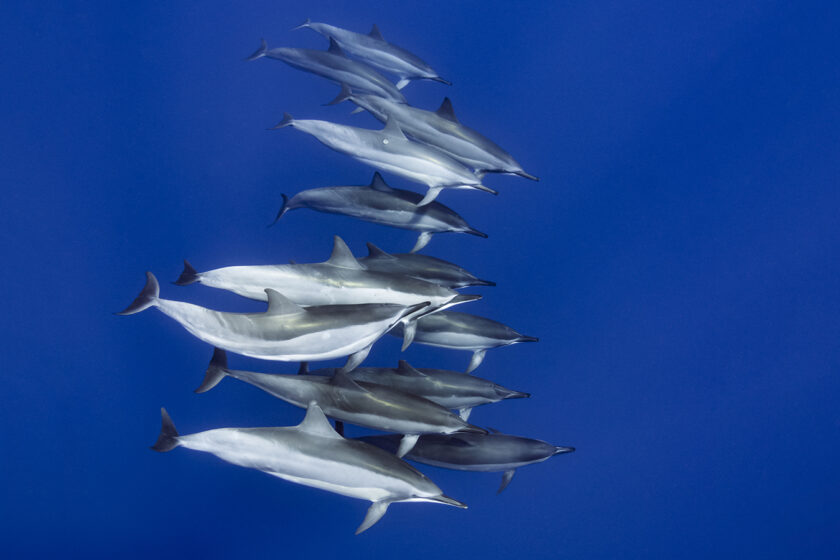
{"x": 407, "y": 443}
{"x": 431, "y": 194}
{"x": 356, "y": 359}
{"x": 422, "y": 241}
{"x": 374, "y": 514}
{"x": 506, "y": 478}
{"x": 477, "y": 358}
{"x": 464, "y": 413}
{"x": 409, "y": 330}
{"x": 403, "y": 82}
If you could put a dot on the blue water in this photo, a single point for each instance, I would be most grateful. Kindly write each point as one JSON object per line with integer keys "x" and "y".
{"x": 678, "y": 261}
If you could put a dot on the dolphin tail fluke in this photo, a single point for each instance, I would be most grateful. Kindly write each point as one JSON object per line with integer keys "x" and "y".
{"x": 403, "y": 82}
{"x": 302, "y": 25}
{"x": 356, "y": 359}
{"x": 422, "y": 240}
{"x": 506, "y": 478}
{"x": 374, "y": 514}
{"x": 216, "y": 371}
{"x": 343, "y": 95}
{"x": 168, "y": 438}
{"x": 188, "y": 276}
{"x": 260, "y": 52}
{"x": 287, "y": 121}
{"x": 473, "y": 231}
{"x": 407, "y": 443}
{"x": 283, "y": 209}
{"x": 527, "y": 175}
{"x": 431, "y": 194}
{"x": 477, "y": 358}
{"x": 147, "y": 298}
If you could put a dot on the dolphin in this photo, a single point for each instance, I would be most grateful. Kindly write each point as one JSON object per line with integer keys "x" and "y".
{"x": 365, "y": 404}
{"x": 389, "y": 150}
{"x": 381, "y": 204}
{"x": 333, "y": 65}
{"x": 449, "y": 389}
{"x": 375, "y": 50}
{"x": 313, "y": 454}
{"x": 424, "y": 267}
{"x": 440, "y": 129}
{"x": 462, "y": 331}
{"x": 475, "y": 452}
{"x": 285, "y": 331}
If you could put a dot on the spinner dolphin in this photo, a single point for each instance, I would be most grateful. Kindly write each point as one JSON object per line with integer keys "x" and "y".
{"x": 424, "y": 267}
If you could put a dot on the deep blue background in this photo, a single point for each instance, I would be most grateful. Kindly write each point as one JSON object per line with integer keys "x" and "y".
{"x": 678, "y": 260}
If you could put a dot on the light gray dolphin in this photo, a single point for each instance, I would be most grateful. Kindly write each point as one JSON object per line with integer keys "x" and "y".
{"x": 375, "y": 50}
{"x": 389, "y": 150}
{"x": 475, "y": 452}
{"x": 333, "y": 65}
{"x": 424, "y": 267}
{"x": 449, "y": 389}
{"x": 440, "y": 129}
{"x": 286, "y": 331}
{"x": 365, "y": 404}
{"x": 382, "y": 204}
{"x": 462, "y": 331}
{"x": 313, "y": 454}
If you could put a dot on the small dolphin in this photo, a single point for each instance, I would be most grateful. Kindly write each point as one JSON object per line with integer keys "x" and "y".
{"x": 333, "y": 65}
{"x": 313, "y": 454}
{"x": 461, "y": 331}
{"x": 381, "y": 204}
{"x": 365, "y": 404}
{"x": 450, "y": 389}
{"x": 475, "y": 452}
{"x": 389, "y": 150}
{"x": 285, "y": 331}
{"x": 375, "y": 50}
{"x": 440, "y": 129}
{"x": 424, "y": 267}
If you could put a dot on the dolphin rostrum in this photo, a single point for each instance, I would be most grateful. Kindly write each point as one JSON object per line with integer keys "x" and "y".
{"x": 450, "y": 389}
{"x": 375, "y": 50}
{"x": 286, "y": 331}
{"x": 313, "y": 454}
{"x": 389, "y": 150}
{"x": 333, "y": 65}
{"x": 365, "y": 404}
{"x": 424, "y": 267}
{"x": 382, "y": 204}
{"x": 462, "y": 331}
{"x": 475, "y": 452}
{"x": 440, "y": 129}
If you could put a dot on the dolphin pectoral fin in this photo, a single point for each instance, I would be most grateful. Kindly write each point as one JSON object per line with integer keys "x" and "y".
{"x": 409, "y": 330}
{"x": 506, "y": 478}
{"x": 464, "y": 413}
{"x": 422, "y": 241}
{"x": 477, "y": 358}
{"x": 339, "y": 427}
{"x": 403, "y": 82}
{"x": 216, "y": 371}
{"x": 407, "y": 444}
{"x": 356, "y": 359}
{"x": 431, "y": 194}
{"x": 374, "y": 514}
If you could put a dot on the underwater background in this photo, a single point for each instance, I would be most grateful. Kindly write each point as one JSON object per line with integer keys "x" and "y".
{"x": 678, "y": 261}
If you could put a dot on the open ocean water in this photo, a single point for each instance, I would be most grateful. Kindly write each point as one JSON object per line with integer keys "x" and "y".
{"x": 678, "y": 261}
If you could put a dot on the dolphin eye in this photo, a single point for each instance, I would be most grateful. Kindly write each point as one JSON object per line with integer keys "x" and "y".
{"x": 384, "y": 140}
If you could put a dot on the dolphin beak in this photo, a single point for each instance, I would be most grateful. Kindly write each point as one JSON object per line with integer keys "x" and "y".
{"x": 560, "y": 450}
{"x": 470, "y": 429}
{"x": 509, "y": 394}
{"x": 527, "y": 339}
{"x": 473, "y": 231}
{"x": 415, "y": 308}
{"x": 527, "y": 175}
{"x": 480, "y": 282}
{"x": 448, "y": 501}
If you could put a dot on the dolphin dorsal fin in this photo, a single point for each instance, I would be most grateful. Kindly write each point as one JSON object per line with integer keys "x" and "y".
{"x": 379, "y": 184}
{"x": 375, "y": 33}
{"x": 342, "y": 257}
{"x": 341, "y": 379}
{"x": 446, "y": 111}
{"x": 335, "y": 49}
{"x": 278, "y": 304}
{"x": 392, "y": 128}
{"x": 407, "y": 369}
{"x": 315, "y": 423}
{"x": 376, "y": 252}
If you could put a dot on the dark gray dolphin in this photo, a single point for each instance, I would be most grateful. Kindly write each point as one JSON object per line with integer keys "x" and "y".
{"x": 313, "y": 454}
{"x": 339, "y": 396}
{"x": 382, "y": 204}
{"x": 333, "y": 65}
{"x": 475, "y": 452}
{"x": 375, "y": 50}
{"x": 424, "y": 267}
{"x": 462, "y": 331}
{"x": 442, "y": 130}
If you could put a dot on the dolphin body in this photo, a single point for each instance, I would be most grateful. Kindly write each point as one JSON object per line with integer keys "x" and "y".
{"x": 375, "y": 50}
{"x": 381, "y": 204}
{"x": 313, "y": 454}
{"x": 365, "y": 404}
{"x": 462, "y": 331}
{"x": 333, "y": 65}
{"x": 424, "y": 267}
{"x": 449, "y": 389}
{"x": 440, "y": 129}
{"x": 285, "y": 331}
{"x": 389, "y": 150}
{"x": 475, "y": 452}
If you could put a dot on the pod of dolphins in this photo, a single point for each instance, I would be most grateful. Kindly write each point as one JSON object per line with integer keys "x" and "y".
{"x": 340, "y": 307}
